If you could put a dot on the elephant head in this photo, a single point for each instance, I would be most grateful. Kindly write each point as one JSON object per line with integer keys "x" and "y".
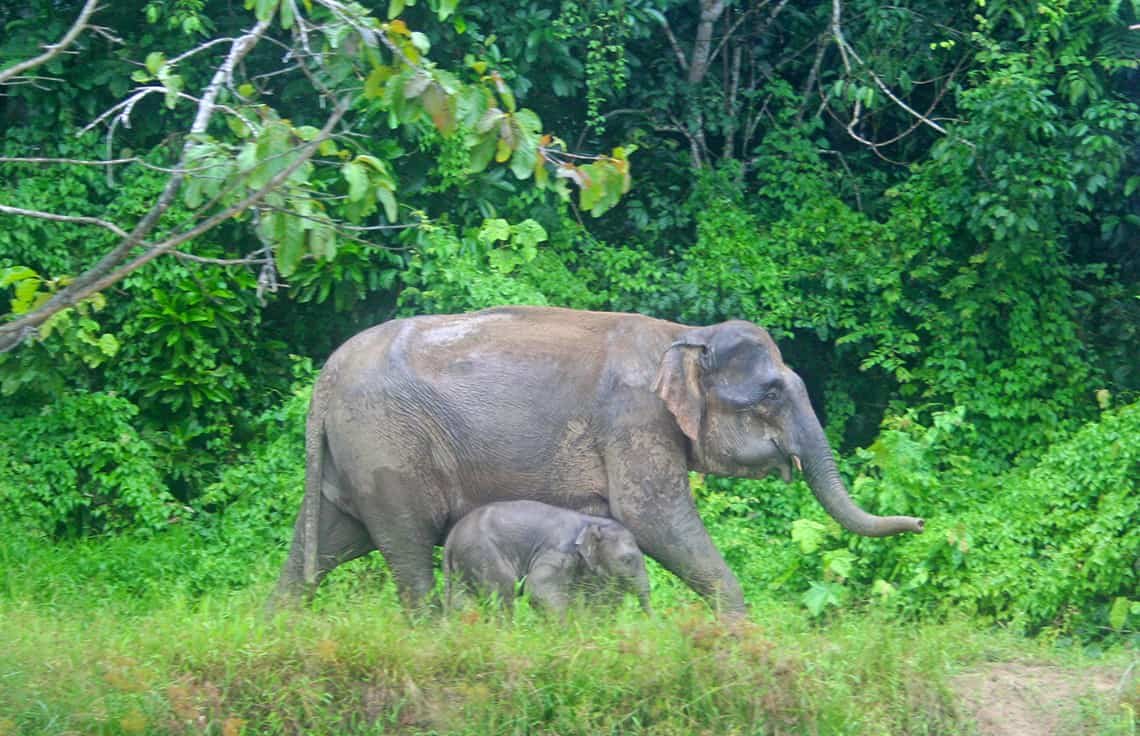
{"x": 612, "y": 556}
{"x": 746, "y": 414}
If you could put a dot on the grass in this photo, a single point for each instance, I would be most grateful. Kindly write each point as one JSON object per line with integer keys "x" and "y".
{"x": 359, "y": 666}
{"x": 109, "y": 637}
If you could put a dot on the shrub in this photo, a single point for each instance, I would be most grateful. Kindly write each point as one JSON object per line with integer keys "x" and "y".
{"x": 78, "y": 466}
{"x": 1053, "y": 544}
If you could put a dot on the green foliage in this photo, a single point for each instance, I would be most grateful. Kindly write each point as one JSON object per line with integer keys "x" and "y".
{"x": 1048, "y": 545}
{"x": 603, "y": 27}
{"x": 965, "y": 322}
{"x": 50, "y": 364}
{"x": 250, "y": 508}
{"x": 79, "y": 466}
{"x": 364, "y": 668}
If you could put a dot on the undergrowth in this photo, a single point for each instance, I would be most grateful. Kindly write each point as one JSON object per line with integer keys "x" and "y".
{"x": 355, "y": 664}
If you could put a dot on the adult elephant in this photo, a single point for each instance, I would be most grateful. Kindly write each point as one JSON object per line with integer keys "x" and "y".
{"x": 417, "y": 421}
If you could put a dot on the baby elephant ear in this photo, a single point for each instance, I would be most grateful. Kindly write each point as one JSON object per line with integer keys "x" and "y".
{"x": 588, "y": 543}
{"x": 678, "y": 383}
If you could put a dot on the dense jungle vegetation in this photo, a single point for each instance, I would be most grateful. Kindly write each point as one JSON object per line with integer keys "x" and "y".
{"x": 932, "y": 206}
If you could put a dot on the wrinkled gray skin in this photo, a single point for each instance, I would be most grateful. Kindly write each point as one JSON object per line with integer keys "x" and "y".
{"x": 558, "y": 554}
{"x": 415, "y": 422}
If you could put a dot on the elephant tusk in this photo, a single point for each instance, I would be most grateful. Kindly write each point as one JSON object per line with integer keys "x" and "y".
{"x": 799, "y": 465}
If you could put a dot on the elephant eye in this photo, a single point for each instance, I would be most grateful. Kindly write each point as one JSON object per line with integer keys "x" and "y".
{"x": 769, "y": 396}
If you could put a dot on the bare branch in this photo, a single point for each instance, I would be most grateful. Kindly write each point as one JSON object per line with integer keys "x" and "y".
{"x": 127, "y": 106}
{"x": 54, "y": 50}
{"x": 681, "y": 60}
{"x": 846, "y": 49}
{"x": 741, "y": 18}
{"x": 95, "y": 280}
{"x": 99, "y": 162}
{"x": 107, "y": 270}
{"x": 254, "y": 258}
{"x": 198, "y": 49}
{"x": 20, "y": 211}
{"x": 75, "y": 161}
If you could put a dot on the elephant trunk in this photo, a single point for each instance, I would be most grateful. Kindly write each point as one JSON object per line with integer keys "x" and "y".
{"x": 641, "y": 587}
{"x": 822, "y": 476}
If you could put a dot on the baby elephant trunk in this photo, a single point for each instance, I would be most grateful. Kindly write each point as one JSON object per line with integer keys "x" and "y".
{"x": 640, "y": 586}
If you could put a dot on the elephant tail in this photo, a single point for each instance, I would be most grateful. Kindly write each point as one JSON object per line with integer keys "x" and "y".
{"x": 314, "y": 474}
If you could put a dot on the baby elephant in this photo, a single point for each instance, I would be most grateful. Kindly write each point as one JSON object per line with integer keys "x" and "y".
{"x": 557, "y": 553}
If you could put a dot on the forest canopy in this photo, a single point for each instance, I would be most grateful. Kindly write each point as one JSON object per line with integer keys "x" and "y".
{"x": 932, "y": 206}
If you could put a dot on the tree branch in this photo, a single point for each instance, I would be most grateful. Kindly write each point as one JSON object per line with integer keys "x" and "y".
{"x": 104, "y": 272}
{"x": 20, "y": 211}
{"x": 681, "y": 60}
{"x": 846, "y": 49}
{"x": 91, "y": 282}
{"x": 54, "y": 50}
{"x": 711, "y": 10}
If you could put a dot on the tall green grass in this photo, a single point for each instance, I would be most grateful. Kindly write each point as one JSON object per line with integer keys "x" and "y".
{"x": 356, "y": 664}
{"x": 114, "y": 636}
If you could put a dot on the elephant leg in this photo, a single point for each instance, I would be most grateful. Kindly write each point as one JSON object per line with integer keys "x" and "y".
{"x": 650, "y": 495}
{"x": 340, "y": 538}
{"x": 459, "y": 594}
{"x": 548, "y": 583}
{"x": 548, "y": 592}
{"x": 406, "y": 530}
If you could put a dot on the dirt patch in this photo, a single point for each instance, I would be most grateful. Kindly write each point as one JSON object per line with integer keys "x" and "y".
{"x": 1024, "y": 699}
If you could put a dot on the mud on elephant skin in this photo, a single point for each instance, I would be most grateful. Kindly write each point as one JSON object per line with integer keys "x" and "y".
{"x": 557, "y": 554}
{"x": 415, "y": 422}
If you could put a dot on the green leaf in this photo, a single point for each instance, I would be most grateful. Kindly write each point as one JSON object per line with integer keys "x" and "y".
{"x": 322, "y": 241}
{"x": 527, "y": 120}
{"x": 839, "y": 562}
{"x": 528, "y": 234}
{"x": 502, "y": 151}
{"x": 357, "y": 178}
{"x": 808, "y": 534}
{"x": 819, "y": 597}
{"x": 192, "y": 194}
{"x": 446, "y": 8}
{"x": 503, "y": 260}
{"x": 173, "y": 85}
{"x": 264, "y": 9}
{"x": 388, "y": 199}
{"x": 488, "y": 120}
{"x": 25, "y": 295}
{"x": 238, "y": 126}
{"x": 882, "y": 588}
{"x": 494, "y": 230}
{"x": 108, "y": 344}
{"x": 287, "y": 15}
{"x": 376, "y": 80}
{"x": 1118, "y": 614}
{"x": 525, "y": 155}
{"x": 290, "y": 242}
{"x": 507, "y": 95}
{"x": 154, "y": 61}
{"x": 307, "y": 132}
{"x": 395, "y": 7}
{"x": 421, "y": 42}
{"x": 482, "y": 153}
{"x": 13, "y": 274}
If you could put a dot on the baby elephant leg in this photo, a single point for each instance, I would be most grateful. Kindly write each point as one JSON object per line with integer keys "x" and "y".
{"x": 549, "y": 582}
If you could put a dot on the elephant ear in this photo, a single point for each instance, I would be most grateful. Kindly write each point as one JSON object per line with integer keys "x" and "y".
{"x": 589, "y": 543}
{"x": 678, "y": 384}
